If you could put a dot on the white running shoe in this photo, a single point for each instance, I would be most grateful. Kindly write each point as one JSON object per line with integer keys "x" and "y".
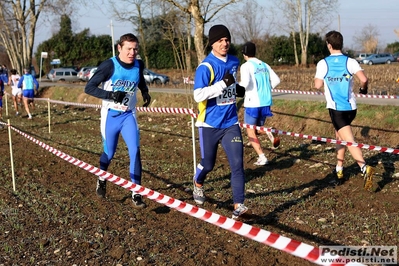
{"x": 239, "y": 210}
{"x": 261, "y": 161}
{"x": 198, "y": 194}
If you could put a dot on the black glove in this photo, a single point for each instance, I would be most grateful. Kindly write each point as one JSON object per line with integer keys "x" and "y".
{"x": 240, "y": 91}
{"x": 228, "y": 79}
{"x": 363, "y": 90}
{"x": 117, "y": 96}
{"x": 146, "y": 98}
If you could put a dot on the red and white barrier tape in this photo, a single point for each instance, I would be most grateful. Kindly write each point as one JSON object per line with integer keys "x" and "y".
{"x": 299, "y": 92}
{"x": 141, "y": 109}
{"x": 97, "y": 106}
{"x": 167, "y": 110}
{"x": 327, "y": 140}
{"x": 321, "y": 93}
{"x": 274, "y": 240}
{"x": 186, "y": 81}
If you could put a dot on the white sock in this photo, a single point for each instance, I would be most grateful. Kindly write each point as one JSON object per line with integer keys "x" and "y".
{"x": 338, "y": 168}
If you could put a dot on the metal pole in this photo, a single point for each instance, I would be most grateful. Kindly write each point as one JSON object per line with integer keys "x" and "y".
{"x": 193, "y": 140}
{"x": 6, "y": 102}
{"x": 49, "y": 115}
{"x": 40, "y": 70}
{"x": 112, "y": 38}
{"x": 11, "y": 155}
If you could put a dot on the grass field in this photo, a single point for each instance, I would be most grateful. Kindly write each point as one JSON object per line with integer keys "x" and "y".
{"x": 382, "y": 78}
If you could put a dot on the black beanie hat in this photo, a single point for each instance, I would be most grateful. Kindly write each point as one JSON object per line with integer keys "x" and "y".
{"x": 249, "y": 49}
{"x": 218, "y": 32}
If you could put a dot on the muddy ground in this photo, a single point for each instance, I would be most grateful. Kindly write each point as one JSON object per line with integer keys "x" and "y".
{"x": 55, "y": 218}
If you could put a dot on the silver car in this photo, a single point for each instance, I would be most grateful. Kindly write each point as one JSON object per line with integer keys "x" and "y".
{"x": 152, "y": 77}
{"x": 82, "y": 71}
{"x": 379, "y": 59}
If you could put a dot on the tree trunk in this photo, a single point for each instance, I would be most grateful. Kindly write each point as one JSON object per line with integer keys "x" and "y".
{"x": 18, "y": 36}
{"x": 188, "y": 51}
{"x": 304, "y": 56}
{"x": 143, "y": 42}
{"x": 198, "y": 33}
{"x": 295, "y": 51}
{"x": 194, "y": 8}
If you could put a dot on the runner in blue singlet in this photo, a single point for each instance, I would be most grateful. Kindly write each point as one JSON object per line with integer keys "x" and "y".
{"x": 120, "y": 78}
{"x": 335, "y": 73}
{"x": 28, "y": 84}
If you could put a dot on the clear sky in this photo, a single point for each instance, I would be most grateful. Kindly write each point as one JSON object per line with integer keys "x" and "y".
{"x": 352, "y": 16}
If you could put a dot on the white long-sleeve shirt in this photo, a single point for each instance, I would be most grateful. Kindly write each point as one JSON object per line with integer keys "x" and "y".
{"x": 258, "y": 79}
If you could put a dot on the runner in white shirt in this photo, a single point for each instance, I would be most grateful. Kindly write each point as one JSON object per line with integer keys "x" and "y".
{"x": 335, "y": 74}
{"x": 258, "y": 79}
{"x": 15, "y": 91}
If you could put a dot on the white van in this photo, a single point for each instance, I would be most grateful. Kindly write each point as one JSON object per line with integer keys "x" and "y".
{"x": 63, "y": 74}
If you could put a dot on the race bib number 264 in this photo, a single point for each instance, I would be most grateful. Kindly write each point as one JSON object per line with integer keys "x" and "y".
{"x": 227, "y": 97}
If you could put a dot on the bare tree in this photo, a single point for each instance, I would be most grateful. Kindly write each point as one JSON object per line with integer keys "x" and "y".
{"x": 18, "y": 21}
{"x": 202, "y": 12}
{"x": 251, "y": 25}
{"x": 198, "y": 12}
{"x": 134, "y": 15}
{"x": 302, "y": 17}
{"x": 173, "y": 28}
{"x": 175, "y": 32}
{"x": 368, "y": 38}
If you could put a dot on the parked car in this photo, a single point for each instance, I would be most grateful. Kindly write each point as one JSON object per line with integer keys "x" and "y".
{"x": 359, "y": 58}
{"x": 63, "y": 74}
{"x": 82, "y": 71}
{"x": 152, "y": 77}
{"x": 396, "y": 56}
{"x": 378, "y": 59}
{"x": 85, "y": 76}
{"x": 91, "y": 72}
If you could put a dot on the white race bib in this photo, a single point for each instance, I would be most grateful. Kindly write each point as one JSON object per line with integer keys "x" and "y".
{"x": 228, "y": 96}
{"x": 125, "y": 105}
